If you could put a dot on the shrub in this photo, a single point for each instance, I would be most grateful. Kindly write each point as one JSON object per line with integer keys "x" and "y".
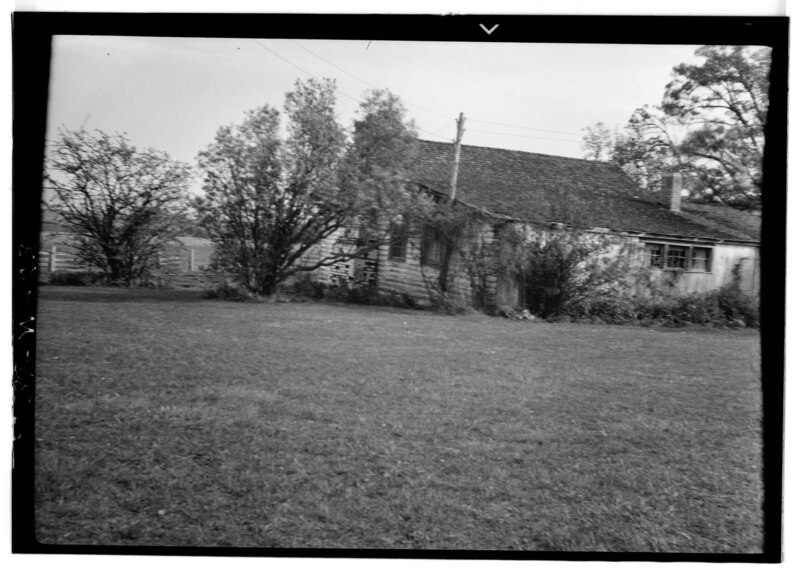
{"x": 369, "y": 295}
{"x": 360, "y": 294}
{"x": 699, "y": 309}
{"x": 74, "y": 278}
{"x": 229, "y": 293}
{"x": 739, "y": 308}
{"x": 561, "y": 271}
{"x": 305, "y": 286}
{"x": 394, "y": 299}
{"x": 728, "y": 306}
{"x": 607, "y": 308}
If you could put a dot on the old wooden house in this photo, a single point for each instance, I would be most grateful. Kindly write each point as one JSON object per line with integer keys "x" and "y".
{"x": 691, "y": 247}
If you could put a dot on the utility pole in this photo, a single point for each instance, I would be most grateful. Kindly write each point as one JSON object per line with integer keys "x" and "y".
{"x": 454, "y": 175}
{"x": 449, "y": 238}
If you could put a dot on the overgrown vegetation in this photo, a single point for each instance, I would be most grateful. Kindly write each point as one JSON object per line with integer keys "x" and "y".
{"x": 570, "y": 275}
{"x": 228, "y": 292}
{"x": 358, "y": 293}
{"x": 725, "y": 307}
{"x": 560, "y": 270}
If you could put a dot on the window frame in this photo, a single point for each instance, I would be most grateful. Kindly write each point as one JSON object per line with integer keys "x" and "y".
{"x": 706, "y": 259}
{"x": 398, "y": 241}
{"x": 661, "y": 260}
{"x": 430, "y": 241}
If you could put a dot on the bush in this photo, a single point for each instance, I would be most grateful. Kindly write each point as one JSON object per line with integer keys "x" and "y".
{"x": 395, "y": 299}
{"x": 74, "y": 278}
{"x": 726, "y": 307}
{"x": 305, "y": 286}
{"x": 228, "y": 293}
{"x": 738, "y": 308}
{"x": 369, "y": 295}
{"x": 607, "y": 308}
{"x": 361, "y": 294}
{"x": 562, "y": 270}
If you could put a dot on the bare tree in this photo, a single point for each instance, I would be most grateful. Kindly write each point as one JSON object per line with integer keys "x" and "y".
{"x": 597, "y": 142}
{"x": 121, "y": 203}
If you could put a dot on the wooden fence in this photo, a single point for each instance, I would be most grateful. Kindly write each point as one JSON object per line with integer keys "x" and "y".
{"x": 175, "y": 260}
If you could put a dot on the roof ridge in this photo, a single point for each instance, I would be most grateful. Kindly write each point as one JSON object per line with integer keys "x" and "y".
{"x": 594, "y": 162}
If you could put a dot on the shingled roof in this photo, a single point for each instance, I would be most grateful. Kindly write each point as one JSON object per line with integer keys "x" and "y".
{"x": 534, "y": 187}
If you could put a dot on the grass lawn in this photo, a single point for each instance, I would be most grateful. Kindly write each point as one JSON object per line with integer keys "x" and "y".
{"x": 165, "y": 419}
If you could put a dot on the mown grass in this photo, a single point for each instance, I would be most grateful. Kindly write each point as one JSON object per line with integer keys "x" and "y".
{"x": 164, "y": 419}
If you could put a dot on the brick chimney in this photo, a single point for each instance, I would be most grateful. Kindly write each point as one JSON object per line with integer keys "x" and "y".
{"x": 671, "y": 186}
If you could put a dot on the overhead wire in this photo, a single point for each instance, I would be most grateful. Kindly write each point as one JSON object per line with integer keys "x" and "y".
{"x": 364, "y": 81}
{"x": 526, "y": 136}
{"x": 525, "y": 127}
{"x": 479, "y": 121}
{"x": 301, "y": 69}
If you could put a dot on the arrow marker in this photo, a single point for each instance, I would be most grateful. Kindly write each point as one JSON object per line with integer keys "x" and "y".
{"x": 488, "y": 30}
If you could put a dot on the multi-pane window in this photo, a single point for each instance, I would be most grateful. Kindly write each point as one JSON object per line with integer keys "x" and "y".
{"x": 656, "y": 254}
{"x": 701, "y": 258}
{"x": 678, "y": 257}
{"x": 398, "y": 240}
{"x": 431, "y": 246}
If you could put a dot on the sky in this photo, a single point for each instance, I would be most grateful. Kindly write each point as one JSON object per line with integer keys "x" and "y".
{"x": 173, "y": 94}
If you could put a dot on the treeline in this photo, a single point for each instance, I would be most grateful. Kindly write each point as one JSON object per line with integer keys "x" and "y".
{"x": 267, "y": 199}
{"x": 709, "y": 126}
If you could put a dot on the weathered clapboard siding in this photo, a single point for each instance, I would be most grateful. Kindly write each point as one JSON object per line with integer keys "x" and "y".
{"x": 410, "y": 277}
{"x": 316, "y": 253}
{"x": 405, "y": 275}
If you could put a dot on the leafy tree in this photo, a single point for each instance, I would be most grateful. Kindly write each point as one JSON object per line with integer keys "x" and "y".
{"x": 597, "y": 142}
{"x": 648, "y": 147}
{"x": 123, "y": 204}
{"x": 710, "y": 126}
{"x": 727, "y": 96}
{"x": 268, "y": 201}
{"x": 379, "y": 161}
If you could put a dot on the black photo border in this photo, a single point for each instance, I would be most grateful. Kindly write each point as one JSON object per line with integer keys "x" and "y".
{"x": 32, "y": 36}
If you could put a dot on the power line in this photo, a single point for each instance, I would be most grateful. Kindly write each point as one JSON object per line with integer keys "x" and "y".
{"x": 334, "y": 65}
{"x": 364, "y": 81}
{"x": 526, "y": 136}
{"x": 343, "y": 70}
{"x": 303, "y": 70}
{"x": 337, "y": 67}
{"x": 441, "y": 127}
{"x": 432, "y": 134}
{"x": 526, "y": 127}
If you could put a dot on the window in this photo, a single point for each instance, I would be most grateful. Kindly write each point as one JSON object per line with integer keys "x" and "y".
{"x": 701, "y": 258}
{"x": 398, "y": 240}
{"x": 656, "y": 252}
{"x": 678, "y": 256}
{"x": 431, "y": 249}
